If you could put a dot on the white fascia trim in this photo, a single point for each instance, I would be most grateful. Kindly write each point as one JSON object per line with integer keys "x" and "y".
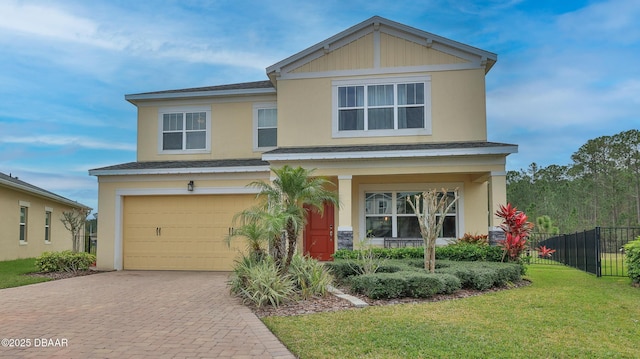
{"x": 215, "y": 93}
{"x": 183, "y": 191}
{"x": 36, "y": 192}
{"x": 119, "y": 201}
{"x": 390, "y": 154}
{"x": 165, "y": 171}
{"x": 382, "y": 71}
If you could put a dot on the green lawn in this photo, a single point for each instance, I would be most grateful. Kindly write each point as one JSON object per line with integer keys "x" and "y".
{"x": 12, "y": 273}
{"x": 565, "y": 313}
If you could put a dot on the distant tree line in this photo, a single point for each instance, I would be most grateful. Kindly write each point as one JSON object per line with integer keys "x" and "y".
{"x": 600, "y": 188}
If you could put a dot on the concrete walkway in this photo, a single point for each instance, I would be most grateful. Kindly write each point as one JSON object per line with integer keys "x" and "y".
{"x": 132, "y": 314}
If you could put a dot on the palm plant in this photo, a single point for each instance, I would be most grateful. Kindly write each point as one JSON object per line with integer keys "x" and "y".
{"x": 286, "y": 196}
{"x": 261, "y": 227}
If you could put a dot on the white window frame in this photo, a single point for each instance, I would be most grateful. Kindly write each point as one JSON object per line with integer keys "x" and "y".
{"x": 408, "y": 187}
{"x": 336, "y": 84}
{"x": 184, "y": 110}
{"x": 24, "y": 239}
{"x": 256, "y": 108}
{"x": 48, "y": 212}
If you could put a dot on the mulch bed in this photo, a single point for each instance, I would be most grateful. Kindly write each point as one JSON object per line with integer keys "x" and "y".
{"x": 331, "y": 303}
{"x": 64, "y": 275}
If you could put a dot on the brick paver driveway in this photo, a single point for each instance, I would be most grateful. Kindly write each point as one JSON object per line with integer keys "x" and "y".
{"x": 132, "y": 314}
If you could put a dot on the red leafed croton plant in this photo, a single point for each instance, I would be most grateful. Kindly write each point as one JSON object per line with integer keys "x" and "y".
{"x": 516, "y": 228}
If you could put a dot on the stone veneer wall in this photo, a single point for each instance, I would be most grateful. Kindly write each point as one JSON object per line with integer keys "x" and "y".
{"x": 345, "y": 240}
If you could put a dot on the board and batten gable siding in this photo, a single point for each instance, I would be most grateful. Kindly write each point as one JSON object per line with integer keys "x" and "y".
{"x": 398, "y": 52}
{"x": 355, "y": 55}
{"x": 394, "y": 52}
{"x": 231, "y": 132}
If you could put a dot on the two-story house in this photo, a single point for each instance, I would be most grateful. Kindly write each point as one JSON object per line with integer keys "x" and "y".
{"x": 381, "y": 109}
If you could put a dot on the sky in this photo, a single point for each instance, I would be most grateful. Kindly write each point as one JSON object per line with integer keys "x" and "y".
{"x": 567, "y": 71}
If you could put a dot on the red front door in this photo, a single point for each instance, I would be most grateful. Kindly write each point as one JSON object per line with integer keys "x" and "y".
{"x": 318, "y": 234}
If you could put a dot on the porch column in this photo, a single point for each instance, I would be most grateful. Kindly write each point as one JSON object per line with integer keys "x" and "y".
{"x": 497, "y": 195}
{"x": 345, "y": 227}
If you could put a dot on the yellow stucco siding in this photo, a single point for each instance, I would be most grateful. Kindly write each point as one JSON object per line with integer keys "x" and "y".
{"x": 304, "y": 112}
{"x": 397, "y": 52}
{"x": 458, "y": 111}
{"x": 10, "y": 246}
{"x": 458, "y": 106}
{"x": 231, "y": 133}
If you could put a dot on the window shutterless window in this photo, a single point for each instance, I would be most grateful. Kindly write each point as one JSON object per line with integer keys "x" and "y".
{"x": 185, "y": 130}
{"x": 382, "y": 107}
{"x": 387, "y": 214}
{"x": 24, "y": 217}
{"x": 47, "y": 226}
{"x": 265, "y": 126}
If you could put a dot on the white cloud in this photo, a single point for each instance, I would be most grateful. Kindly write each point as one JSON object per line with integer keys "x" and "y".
{"x": 49, "y": 22}
{"x": 172, "y": 40}
{"x": 614, "y": 20}
{"x": 79, "y": 141}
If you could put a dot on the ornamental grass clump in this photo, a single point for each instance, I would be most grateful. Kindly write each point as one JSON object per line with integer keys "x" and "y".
{"x": 259, "y": 282}
{"x": 310, "y": 277}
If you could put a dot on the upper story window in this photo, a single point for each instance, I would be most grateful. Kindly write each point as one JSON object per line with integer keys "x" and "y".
{"x": 382, "y": 107}
{"x": 265, "y": 124}
{"x": 185, "y": 130}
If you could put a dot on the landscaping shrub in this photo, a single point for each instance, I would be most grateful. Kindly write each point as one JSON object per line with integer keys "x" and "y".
{"x": 416, "y": 284}
{"x": 409, "y": 273}
{"x": 455, "y": 252}
{"x": 469, "y": 252}
{"x": 342, "y": 269}
{"x": 258, "y": 282}
{"x": 482, "y": 275}
{"x": 65, "y": 261}
{"x": 632, "y": 251}
{"x": 392, "y": 267}
{"x": 380, "y": 285}
{"x": 450, "y": 283}
{"x": 423, "y": 285}
{"x": 477, "y": 239}
{"x": 310, "y": 276}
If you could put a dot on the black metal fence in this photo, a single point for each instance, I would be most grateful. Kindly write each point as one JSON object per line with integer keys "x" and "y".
{"x": 90, "y": 243}
{"x": 599, "y": 251}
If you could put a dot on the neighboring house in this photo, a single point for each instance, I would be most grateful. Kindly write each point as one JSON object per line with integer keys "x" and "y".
{"x": 382, "y": 109}
{"x": 30, "y": 221}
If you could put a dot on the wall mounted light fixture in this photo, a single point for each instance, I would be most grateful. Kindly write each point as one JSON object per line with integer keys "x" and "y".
{"x": 190, "y": 186}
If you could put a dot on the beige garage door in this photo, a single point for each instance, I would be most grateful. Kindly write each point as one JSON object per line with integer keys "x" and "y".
{"x": 181, "y": 232}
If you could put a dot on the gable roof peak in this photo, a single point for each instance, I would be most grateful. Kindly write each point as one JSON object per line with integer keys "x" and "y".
{"x": 378, "y": 23}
